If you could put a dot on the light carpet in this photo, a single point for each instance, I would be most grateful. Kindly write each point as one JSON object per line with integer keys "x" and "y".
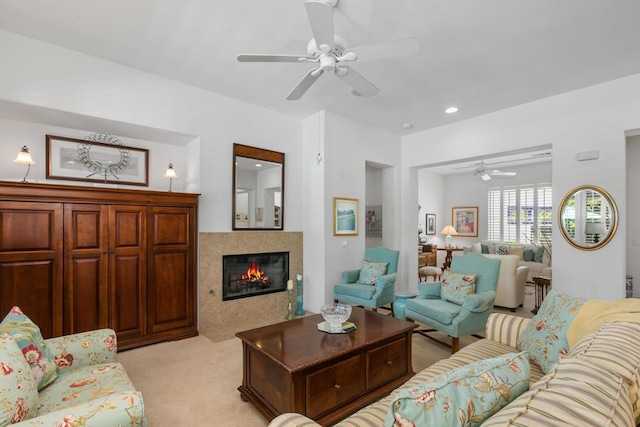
{"x": 194, "y": 381}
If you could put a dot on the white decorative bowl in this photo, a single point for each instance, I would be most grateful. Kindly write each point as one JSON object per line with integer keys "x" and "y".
{"x": 336, "y": 314}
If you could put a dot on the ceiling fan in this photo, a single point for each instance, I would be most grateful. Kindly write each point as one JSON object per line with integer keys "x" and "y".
{"x": 330, "y": 53}
{"x": 486, "y": 173}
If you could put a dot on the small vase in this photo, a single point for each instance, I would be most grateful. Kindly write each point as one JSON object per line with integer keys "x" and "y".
{"x": 299, "y": 310}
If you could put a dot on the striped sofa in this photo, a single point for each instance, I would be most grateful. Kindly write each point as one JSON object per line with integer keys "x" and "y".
{"x": 595, "y": 384}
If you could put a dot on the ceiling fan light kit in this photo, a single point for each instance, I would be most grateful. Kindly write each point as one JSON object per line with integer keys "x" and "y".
{"x": 330, "y": 52}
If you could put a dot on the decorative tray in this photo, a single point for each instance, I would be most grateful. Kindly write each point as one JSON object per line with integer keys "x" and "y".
{"x": 346, "y": 327}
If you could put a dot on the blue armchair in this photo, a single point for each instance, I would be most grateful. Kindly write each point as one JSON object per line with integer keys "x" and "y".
{"x": 457, "y": 320}
{"x": 369, "y": 295}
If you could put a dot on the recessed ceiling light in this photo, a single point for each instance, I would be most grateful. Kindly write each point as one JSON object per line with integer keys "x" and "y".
{"x": 258, "y": 165}
{"x": 451, "y": 110}
{"x": 407, "y": 126}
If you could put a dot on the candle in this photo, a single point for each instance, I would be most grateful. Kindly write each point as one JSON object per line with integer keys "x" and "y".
{"x": 299, "y": 277}
{"x": 290, "y": 284}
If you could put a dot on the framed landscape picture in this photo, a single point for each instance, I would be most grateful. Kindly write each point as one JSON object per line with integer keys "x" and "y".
{"x": 465, "y": 221}
{"x": 345, "y": 217}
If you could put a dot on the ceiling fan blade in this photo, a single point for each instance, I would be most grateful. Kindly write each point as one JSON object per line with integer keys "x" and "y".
{"x": 320, "y": 15}
{"x": 385, "y": 50}
{"x": 498, "y": 173}
{"x": 304, "y": 84}
{"x": 270, "y": 58}
{"x": 361, "y": 85}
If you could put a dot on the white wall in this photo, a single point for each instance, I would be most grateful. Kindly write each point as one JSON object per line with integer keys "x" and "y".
{"x": 633, "y": 207}
{"x": 593, "y": 118}
{"x": 14, "y": 134}
{"x": 97, "y": 91}
{"x": 348, "y": 145}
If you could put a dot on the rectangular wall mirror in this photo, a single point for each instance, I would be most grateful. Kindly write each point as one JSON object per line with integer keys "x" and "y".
{"x": 258, "y": 189}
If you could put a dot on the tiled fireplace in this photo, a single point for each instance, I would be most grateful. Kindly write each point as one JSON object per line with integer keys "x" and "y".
{"x": 220, "y": 319}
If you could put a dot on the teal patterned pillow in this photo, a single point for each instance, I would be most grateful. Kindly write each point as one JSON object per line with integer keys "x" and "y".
{"x": 528, "y": 255}
{"x": 466, "y": 396}
{"x": 18, "y": 390}
{"x": 545, "y": 337}
{"x": 538, "y": 254}
{"x": 370, "y": 271}
{"x": 455, "y": 286}
{"x": 30, "y": 340}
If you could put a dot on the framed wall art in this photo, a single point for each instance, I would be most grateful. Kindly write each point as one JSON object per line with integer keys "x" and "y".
{"x": 465, "y": 221}
{"x": 430, "y": 224}
{"x": 99, "y": 158}
{"x": 373, "y": 221}
{"x": 345, "y": 217}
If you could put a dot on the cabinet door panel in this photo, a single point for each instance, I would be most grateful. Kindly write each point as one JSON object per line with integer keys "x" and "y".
{"x": 171, "y": 269}
{"x": 31, "y": 263}
{"x": 86, "y": 267}
{"x": 31, "y": 286}
{"x": 127, "y": 271}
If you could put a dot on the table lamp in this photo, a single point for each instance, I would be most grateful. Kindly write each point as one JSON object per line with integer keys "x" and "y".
{"x": 170, "y": 173}
{"x": 449, "y": 231}
{"x": 24, "y": 158}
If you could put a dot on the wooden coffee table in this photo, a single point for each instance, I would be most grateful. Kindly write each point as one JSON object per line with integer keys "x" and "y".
{"x": 294, "y": 367}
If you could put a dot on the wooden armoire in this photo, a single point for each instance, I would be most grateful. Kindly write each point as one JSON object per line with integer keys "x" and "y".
{"x": 81, "y": 258}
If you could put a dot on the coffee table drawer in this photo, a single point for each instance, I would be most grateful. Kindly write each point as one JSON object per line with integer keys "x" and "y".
{"x": 386, "y": 363}
{"x": 334, "y": 385}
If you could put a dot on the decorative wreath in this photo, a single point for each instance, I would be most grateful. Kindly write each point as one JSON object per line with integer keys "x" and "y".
{"x": 97, "y": 168}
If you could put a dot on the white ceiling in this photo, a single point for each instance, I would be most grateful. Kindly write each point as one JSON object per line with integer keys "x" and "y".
{"x": 481, "y": 55}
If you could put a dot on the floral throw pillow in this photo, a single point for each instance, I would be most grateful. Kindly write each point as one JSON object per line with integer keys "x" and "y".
{"x": 34, "y": 349}
{"x": 18, "y": 390}
{"x": 456, "y": 287}
{"x": 370, "y": 271}
{"x": 545, "y": 337}
{"x": 466, "y": 396}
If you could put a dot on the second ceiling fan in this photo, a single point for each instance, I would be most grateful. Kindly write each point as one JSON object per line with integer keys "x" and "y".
{"x": 486, "y": 173}
{"x": 330, "y": 53}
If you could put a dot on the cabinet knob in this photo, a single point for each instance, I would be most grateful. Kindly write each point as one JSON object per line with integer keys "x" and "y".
{"x": 337, "y": 386}
{"x": 389, "y": 362}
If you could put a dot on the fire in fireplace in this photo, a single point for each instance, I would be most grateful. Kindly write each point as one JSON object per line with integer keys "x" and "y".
{"x": 249, "y": 275}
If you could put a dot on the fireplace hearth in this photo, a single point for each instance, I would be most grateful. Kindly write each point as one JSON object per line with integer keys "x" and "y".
{"x": 248, "y": 275}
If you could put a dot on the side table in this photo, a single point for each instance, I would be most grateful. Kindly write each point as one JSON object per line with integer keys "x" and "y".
{"x": 400, "y": 303}
{"x": 449, "y": 256}
{"x": 542, "y": 284}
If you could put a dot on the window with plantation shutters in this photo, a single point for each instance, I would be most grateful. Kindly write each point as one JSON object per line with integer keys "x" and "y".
{"x": 519, "y": 214}
{"x": 494, "y": 220}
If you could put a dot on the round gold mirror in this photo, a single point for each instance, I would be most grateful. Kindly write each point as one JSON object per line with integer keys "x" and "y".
{"x": 588, "y": 217}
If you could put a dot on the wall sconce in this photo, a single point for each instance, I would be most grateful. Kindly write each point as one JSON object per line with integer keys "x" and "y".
{"x": 449, "y": 231}
{"x": 170, "y": 173}
{"x": 24, "y": 158}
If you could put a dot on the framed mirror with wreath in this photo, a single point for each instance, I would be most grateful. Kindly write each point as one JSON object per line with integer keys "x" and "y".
{"x": 98, "y": 158}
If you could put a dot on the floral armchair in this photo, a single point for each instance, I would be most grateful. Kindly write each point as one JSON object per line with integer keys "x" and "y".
{"x": 82, "y": 385}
